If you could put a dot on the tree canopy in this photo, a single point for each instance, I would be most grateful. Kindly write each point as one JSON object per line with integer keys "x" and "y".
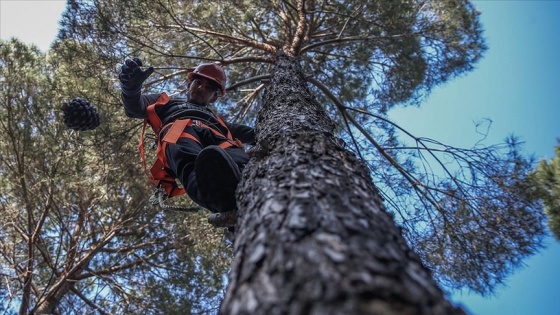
{"x": 74, "y": 208}
{"x": 547, "y": 178}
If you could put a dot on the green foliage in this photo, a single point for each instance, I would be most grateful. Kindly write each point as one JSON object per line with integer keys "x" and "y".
{"x": 546, "y": 177}
{"x": 395, "y": 51}
{"x": 76, "y": 227}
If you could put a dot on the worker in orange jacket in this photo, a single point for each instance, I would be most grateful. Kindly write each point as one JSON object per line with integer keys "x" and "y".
{"x": 194, "y": 144}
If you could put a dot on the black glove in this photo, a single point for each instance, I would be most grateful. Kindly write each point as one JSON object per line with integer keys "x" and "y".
{"x": 131, "y": 76}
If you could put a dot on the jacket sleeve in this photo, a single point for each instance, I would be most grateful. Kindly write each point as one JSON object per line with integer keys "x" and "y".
{"x": 135, "y": 103}
{"x": 244, "y": 133}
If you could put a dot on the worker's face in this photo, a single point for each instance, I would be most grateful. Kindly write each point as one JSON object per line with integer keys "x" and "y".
{"x": 203, "y": 91}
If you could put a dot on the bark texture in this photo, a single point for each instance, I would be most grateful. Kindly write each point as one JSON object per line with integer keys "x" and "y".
{"x": 313, "y": 235}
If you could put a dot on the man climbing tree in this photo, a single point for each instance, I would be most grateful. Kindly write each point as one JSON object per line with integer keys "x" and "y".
{"x": 194, "y": 144}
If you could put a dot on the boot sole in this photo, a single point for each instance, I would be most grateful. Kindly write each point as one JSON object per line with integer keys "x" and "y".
{"x": 219, "y": 180}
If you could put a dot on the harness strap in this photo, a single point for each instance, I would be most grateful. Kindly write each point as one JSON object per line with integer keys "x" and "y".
{"x": 153, "y": 118}
{"x": 159, "y": 174}
{"x": 177, "y": 131}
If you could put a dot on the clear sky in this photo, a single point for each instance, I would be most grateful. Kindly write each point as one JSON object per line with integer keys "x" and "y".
{"x": 516, "y": 85}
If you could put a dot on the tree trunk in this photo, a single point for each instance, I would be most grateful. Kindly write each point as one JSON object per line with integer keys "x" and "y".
{"x": 313, "y": 235}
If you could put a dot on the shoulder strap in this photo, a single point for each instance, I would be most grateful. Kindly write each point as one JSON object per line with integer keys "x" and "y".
{"x": 229, "y": 136}
{"x": 157, "y": 174}
{"x": 152, "y": 117}
{"x": 154, "y": 121}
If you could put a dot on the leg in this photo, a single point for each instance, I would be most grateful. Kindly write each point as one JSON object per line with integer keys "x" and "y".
{"x": 181, "y": 157}
{"x": 239, "y": 156}
{"x": 213, "y": 184}
{"x": 218, "y": 174}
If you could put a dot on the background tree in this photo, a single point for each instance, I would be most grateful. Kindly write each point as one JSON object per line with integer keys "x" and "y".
{"x": 547, "y": 179}
{"x": 76, "y": 234}
{"x": 364, "y": 58}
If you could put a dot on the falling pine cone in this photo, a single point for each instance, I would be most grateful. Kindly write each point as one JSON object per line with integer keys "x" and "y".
{"x": 79, "y": 114}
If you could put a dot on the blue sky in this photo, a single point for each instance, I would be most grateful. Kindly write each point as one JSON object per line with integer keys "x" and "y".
{"x": 516, "y": 85}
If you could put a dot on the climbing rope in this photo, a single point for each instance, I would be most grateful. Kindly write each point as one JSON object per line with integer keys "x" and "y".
{"x": 159, "y": 196}
{"x": 221, "y": 219}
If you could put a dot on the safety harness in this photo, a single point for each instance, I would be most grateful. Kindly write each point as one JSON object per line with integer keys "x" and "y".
{"x": 159, "y": 174}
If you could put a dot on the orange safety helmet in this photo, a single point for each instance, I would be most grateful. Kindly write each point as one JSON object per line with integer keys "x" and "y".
{"x": 211, "y": 71}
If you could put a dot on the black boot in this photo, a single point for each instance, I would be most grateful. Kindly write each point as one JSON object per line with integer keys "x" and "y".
{"x": 217, "y": 176}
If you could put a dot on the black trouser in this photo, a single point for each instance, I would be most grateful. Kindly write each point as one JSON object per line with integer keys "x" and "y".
{"x": 182, "y": 155}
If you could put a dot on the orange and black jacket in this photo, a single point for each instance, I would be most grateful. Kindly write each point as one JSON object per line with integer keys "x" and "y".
{"x": 135, "y": 105}
{"x": 159, "y": 110}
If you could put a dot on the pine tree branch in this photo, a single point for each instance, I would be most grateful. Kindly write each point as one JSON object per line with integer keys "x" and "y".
{"x": 418, "y": 140}
{"x": 79, "y": 265}
{"x": 247, "y": 101}
{"x": 172, "y": 15}
{"x": 301, "y": 28}
{"x": 114, "y": 269}
{"x": 414, "y": 182}
{"x": 88, "y": 301}
{"x": 287, "y": 24}
{"x": 338, "y": 40}
{"x": 264, "y": 78}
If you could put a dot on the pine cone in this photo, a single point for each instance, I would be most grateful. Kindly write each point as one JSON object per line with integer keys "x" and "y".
{"x": 79, "y": 114}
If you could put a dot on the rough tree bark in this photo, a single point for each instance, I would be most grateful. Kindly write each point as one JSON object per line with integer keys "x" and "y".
{"x": 313, "y": 235}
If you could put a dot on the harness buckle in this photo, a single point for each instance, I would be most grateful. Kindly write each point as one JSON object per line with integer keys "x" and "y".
{"x": 158, "y": 195}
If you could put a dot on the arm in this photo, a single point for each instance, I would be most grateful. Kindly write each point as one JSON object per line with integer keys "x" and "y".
{"x": 244, "y": 133}
{"x": 131, "y": 78}
{"x": 135, "y": 103}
